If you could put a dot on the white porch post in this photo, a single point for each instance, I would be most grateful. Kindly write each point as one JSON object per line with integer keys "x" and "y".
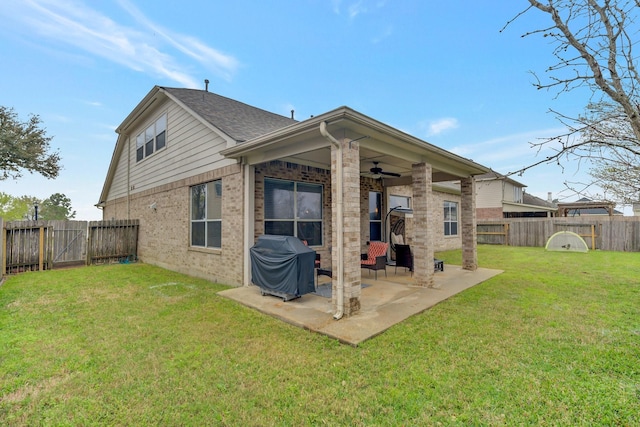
{"x": 423, "y": 235}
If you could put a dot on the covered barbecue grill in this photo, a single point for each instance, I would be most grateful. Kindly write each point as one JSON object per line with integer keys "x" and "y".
{"x": 282, "y": 266}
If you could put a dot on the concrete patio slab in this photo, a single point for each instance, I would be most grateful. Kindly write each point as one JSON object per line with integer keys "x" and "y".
{"x": 385, "y": 302}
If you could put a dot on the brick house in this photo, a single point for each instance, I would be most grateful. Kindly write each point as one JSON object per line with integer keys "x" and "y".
{"x": 206, "y": 175}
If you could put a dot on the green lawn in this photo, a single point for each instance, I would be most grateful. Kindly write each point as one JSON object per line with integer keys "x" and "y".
{"x": 555, "y": 340}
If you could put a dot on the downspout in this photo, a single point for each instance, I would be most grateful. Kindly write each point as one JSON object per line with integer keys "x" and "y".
{"x": 128, "y": 177}
{"x": 340, "y": 225}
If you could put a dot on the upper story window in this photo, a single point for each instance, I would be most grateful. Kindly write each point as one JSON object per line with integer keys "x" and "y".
{"x": 517, "y": 194}
{"x": 152, "y": 139}
{"x": 293, "y": 209}
{"x": 450, "y": 218}
{"x": 206, "y": 215}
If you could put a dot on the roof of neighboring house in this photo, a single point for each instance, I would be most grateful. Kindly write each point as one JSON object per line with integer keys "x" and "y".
{"x": 497, "y": 175}
{"x": 529, "y": 199}
{"x": 240, "y": 121}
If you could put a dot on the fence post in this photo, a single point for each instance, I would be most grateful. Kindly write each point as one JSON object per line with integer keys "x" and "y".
{"x": 3, "y": 249}
{"x": 41, "y": 249}
{"x": 89, "y": 254}
{"x": 593, "y": 236}
{"x": 506, "y": 234}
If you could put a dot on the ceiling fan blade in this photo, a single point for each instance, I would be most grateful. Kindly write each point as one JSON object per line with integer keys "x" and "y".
{"x": 390, "y": 174}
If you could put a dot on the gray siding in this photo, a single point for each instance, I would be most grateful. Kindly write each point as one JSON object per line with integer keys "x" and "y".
{"x": 192, "y": 148}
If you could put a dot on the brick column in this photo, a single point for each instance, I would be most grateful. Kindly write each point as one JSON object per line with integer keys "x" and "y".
{"x": 351, "y": 225}
{"x": 423, "y": 235}
{"x": 468, "y": 223}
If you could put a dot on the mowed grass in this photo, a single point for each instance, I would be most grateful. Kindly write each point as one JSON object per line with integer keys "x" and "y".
{"x": 554, "y": 340}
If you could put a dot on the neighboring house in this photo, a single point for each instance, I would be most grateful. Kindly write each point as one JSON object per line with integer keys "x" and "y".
{"x": 206, "y": 175}
{"x": 499, "y": 196}
{"x": 587, "y": 207}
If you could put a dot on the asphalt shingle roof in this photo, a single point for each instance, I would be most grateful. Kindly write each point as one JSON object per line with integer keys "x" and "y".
{"x": 240, "y": 121}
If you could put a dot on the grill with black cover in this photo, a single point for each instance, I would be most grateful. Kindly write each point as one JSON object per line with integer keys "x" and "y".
{"x": 282, "y": 266}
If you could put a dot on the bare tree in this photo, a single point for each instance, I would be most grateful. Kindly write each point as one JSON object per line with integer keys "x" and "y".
{"x": 594, "y": 43}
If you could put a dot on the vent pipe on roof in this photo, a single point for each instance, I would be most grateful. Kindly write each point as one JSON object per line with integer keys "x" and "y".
{"x": 292, "y": 111}
{"x": 206, "y": 85}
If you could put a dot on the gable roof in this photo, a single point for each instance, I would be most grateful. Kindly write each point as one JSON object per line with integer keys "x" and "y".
{"x": 493, "y": 175}
{"x": 530, "y": 199}
{"x": 240, "y": 121}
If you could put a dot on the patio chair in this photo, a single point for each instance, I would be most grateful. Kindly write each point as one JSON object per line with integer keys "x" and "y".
{"x": 404, "y": 257}
{"x": 376, "y": 258}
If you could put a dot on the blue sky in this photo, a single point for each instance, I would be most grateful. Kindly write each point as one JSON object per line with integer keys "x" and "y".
{"x": 441, "y": 71}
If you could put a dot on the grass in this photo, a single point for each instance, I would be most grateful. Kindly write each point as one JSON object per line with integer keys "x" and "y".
{"x": 554, "y": 340}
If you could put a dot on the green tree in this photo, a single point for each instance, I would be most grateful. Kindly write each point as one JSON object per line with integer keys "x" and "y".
{"x": 17, "y": 208}
{"x": 593, "y": 42}
{"x": 25, "y": 146}
{"x": 57, "y": 206}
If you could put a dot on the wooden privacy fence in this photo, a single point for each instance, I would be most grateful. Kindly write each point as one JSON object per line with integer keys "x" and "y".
{"x": 43, "y": 245}
{"x": 605, "y": 233}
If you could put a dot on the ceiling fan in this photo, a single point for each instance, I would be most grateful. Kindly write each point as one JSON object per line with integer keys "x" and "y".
{"x": 377, "y": 171}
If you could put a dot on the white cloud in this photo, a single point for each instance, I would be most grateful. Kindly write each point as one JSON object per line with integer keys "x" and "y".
{"x": 439, "y": 126}
{"x": 511, "y": 152}
{"x": 356, "y": 9}
{"x": 152, "y": 52}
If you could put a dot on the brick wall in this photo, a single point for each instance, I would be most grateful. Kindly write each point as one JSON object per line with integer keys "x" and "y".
{"x": 164, "y": 232}
{"x": 489, "y": 214}
{"x": 294, "y": 172}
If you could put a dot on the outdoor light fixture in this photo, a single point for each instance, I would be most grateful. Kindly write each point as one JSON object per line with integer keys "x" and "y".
{"x": 35, "y": 208}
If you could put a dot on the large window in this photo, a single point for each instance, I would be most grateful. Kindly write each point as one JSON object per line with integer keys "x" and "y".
{"x": 206, "y": 215}
{"x": 375, "y": 216}
{"x": 152, "y": 139}
{"x": 450, "y": 218}
{"x": 293, "y": 209}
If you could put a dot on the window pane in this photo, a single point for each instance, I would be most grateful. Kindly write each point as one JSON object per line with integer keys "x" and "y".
{"x": 139, "y": 154}
{"x": 161, "y": 124}
{"x": 197, "y": 233}
{"x": 214, "y": 202}
{"x": 279, "y": 228}
{"x": 214, "y": 234}
{"x": 198, "y": 198}
{"x": 149, "y": 134}
{"x": 454, "y": 229}
{"x": 375, "y": 205}
{"x": 311, "y": 232}
{"x": 375, "y": 231}
{"x": 160, "y": 141}
{"x": 140, "y": 141}
{"x": 309, "y": 201}
{"x": 401, "y": 201}
{"x": 454, "y": 211}
{"x": 278, "y": 199}
{"x": 148, "y": 148}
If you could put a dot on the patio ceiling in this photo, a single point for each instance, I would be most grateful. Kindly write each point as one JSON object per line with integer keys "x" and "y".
{"x": 395, "y": 150}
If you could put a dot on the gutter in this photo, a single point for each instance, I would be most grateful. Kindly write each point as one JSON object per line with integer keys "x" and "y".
{"x": 340, "y": 225}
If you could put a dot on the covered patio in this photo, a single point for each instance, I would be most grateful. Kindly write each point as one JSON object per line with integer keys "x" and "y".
{"x": 347, "y": 144}
{"x": 385, "y": 302}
